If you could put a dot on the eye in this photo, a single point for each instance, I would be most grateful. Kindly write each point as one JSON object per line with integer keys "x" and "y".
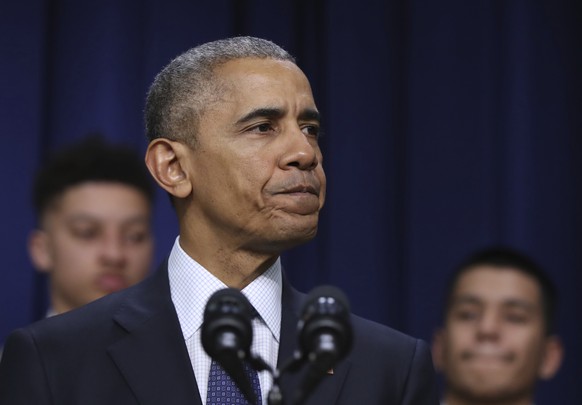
{"x": 137, "y": 237}
{"x": 136, "y": 233}
{"x": 263, "y": 128}
{"x": 516, "y": 318}
{"x": 466, "y": 314}
{"x": 311, "y": 130}
{"x": 86, "y": 233}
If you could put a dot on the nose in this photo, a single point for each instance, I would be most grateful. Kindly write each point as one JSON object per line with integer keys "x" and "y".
{"x": 300, "y": 151}
{"x": 113, "y": 251}
{"x": 488, "y": 327}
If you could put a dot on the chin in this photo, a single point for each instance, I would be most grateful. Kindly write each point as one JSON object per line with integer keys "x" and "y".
{"x": 283, "y": 241}
{"x": 491, "y": 388}
{"x": 302, "y": 235}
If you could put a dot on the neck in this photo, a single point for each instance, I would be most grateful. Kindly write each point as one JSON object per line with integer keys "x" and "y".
{"x": 236, "y": 268}
{"x": 58, "y": 303}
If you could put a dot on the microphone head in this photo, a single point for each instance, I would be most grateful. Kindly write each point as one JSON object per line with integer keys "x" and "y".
{"x": 325, "y": 330}
{"x": 227, "y": 327}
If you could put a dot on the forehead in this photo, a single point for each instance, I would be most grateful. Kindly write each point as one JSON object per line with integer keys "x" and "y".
{"x": 260, "y": 81}
{"x": 491, "y": 284}
{"x": 101, "y": 200}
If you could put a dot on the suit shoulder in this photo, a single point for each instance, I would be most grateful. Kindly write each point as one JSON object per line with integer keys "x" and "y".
{"x": 399, "y": 366}
{"x": 380, "y": 346}
{"x": 374, "y": 333}
{"x": 94, "y": 319}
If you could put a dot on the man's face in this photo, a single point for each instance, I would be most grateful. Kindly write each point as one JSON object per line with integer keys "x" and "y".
{"x": 494, "y": 342}
{"x": 96, "y": 239}
{"x": 256, "y": 168}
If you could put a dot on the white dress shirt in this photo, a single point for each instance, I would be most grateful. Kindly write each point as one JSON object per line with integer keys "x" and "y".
{"x": 191, "y": 285}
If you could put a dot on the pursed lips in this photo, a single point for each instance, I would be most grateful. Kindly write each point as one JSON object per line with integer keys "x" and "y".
{"x": 302, "y": 198}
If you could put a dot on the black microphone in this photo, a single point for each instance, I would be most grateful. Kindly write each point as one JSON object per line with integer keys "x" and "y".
{"x": 227, "y": 334}
{"x": 325, "y": 335}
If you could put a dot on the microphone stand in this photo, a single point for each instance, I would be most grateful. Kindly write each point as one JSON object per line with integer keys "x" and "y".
{"x": 275, "y": 395}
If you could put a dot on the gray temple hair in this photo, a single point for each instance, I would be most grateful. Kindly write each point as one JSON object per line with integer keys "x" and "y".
{"x": 180, "y": 92}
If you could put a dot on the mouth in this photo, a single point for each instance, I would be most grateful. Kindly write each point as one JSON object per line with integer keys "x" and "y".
{"x": 298, "y": 198}
{"x": 301, "y": 188}
{"x": 488, "y": 356}
{"x": 111, "y": 282}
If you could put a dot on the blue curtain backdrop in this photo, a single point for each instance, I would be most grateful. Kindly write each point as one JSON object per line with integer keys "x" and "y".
{"x": 450, "y": 125}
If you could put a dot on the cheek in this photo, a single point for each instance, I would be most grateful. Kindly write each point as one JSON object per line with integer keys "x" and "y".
{"x": 527, "y": 346}
{"x": 253, "y": 178}
{"x": 72, "y": 258}
{"x": 259, "y": 169}
{"x": 248, "y": 177}
{"x": 140, "y": 258}
{"x": 74, "y": 268}
{"x": 323, "y": 180}
{"x": 458, "y": 340}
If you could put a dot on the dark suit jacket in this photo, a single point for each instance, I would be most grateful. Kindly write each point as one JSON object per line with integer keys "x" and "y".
{"x": 128, "y": 348}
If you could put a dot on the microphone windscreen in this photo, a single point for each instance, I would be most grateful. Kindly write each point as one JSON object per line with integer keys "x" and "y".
{"x": 327, "y": 291}
{"x": 325, "y": 335}
{"x": 227, "y": 322}
{"x": 326, "y": 312}
{"x": 227, "y": 334}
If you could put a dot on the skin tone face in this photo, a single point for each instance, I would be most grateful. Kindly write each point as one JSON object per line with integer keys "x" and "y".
{"x": 96, "y": 239}
{"x": 253, "y": 184}
{"x": 494, "y": 346}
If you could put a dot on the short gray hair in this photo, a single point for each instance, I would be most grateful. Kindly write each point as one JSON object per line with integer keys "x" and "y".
{"x": 177, "y": 97}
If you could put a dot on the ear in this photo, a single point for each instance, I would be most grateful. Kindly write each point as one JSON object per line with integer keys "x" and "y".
{"x": 39, "y": 251}
{"x": 552, "y": 360}
{"x": 438, "y": 349}
{"x": 167, "y": 162}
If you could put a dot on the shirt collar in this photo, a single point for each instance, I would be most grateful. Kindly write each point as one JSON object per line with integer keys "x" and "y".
{"x": 191, "y": 285}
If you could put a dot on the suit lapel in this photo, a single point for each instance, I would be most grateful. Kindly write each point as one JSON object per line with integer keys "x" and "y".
{"x": 152, "y": 356}
{"x": 328, "y": 390}
{"x": 153, "y": 359}
{"x": 290, "y": 306}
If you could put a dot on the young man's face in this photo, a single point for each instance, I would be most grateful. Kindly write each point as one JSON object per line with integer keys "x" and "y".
{"x": 493, "y": 345}
{"x": 96, "y": 239}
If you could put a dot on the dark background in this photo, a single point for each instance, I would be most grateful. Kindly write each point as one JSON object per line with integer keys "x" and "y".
{"x": 449, "y": 125}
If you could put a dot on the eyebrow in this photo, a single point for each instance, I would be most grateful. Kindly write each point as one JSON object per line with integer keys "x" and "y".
{"x": 264, "y": 112}
{"x": 519, "y": 304}
{"x": 134, "y": 219}
{"x": 511, "y": 303}
{"x": 466, "y": 299}
{"x": 308, "y": 114}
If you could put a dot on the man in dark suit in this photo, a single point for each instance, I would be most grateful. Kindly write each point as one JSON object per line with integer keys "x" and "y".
{"x": 233, "y": 132}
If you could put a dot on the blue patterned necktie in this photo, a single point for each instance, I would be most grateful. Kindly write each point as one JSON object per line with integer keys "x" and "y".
{"x": 223, "y": 390}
